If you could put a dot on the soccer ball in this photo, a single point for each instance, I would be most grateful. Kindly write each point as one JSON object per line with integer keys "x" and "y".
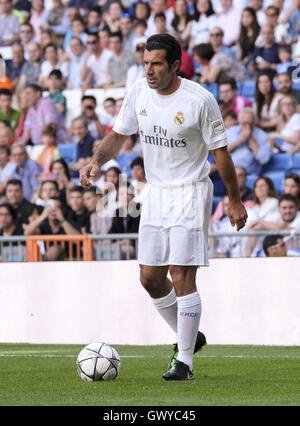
{"x": 97, "y": 362}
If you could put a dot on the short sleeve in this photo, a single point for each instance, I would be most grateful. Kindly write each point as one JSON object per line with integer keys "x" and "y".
{"x": 127, "y": 123}
{"x": 211, "y": 124}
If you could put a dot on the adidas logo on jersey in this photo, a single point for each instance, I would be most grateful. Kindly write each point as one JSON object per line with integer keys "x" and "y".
{"x": 143, "y": 112}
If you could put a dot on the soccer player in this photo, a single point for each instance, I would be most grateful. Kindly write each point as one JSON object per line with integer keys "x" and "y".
{"x": 179, "y": 123}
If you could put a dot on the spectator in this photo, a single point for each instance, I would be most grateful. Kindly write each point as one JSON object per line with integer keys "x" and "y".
{"x": 216, "y": 40}
{"x": 32, "y": 68}
{"x": 14, "y": 66}
{"x": 95, "y": 62}
{"x": 228, "y": 94}
{"x": 141, "y": 27}
{"x": 257, "y": 5}
{"x": 158, "y": 6}
{"x": 26, "y": 170}
{"x": 281, "y": 33}
{"x": 6, "y": 135}
{"x": 7, "y": 113}
{"x": 160, "y": 22}
{"x": 51, "y": 63}
{"x": 141, "y": 10}
{"x": 55, "y": 253}
{"x": 249, "y": 146}
{"x": 88, "y": 111}
{"x": 137, "y": 71}
{"x": 285, "y": 57}
{"x": 139, "y": 182}
{"x": 265, "y": 58}
{"x": 84, "y": 142}
{"x": 215, "y": 67}
{"x": 181, "y": 25}
{"x": 57, "y": 20}
{"x": 51, "y": 221}
{"x": 128, "y": 32}
{"x": 49, "y": 152}
{"x": 266, "y": 102}
{"x": 23, "y": 108}
{"x": 9, "y": 24}
{"x": 41, "y": 113}
{"x": 266, "y": 208}
{"x": 61, "y": 173}
{"x": 7, "y": 221}
{"x": 112, "y": 16}
{"x": 248, "y": 34}
{"x": 104, "y": 34}
{"x": 15, "y": 197}
{"x": 285, "y": 86}
{"x": 26, "y": 37}
{"x": 126, "y": 220}
{"x": 76, "y": 59}
{"x": 109, "y": 105}
{"x": 39, "y": 15}
{"x": 229, "y": 20}
{"x": 47, "y": 37}
{"x": 6, "y": 167}
{"x": 275, "y": 246}
{"x": 24, "y": 6}
{"x": 94, "y": 20}
{"x": 245, "y": 193}
{"x": 127, "y": 155}
{"x": 47, "y": 190}
{"x": 293, "y": 18}
{"x": 119, "y": 63}
{"x": 292, "y": 187}
{"x": 230, "y": 118}
{"x": 288, "y": 125}
{"x": 198, "y": 31}
{"x": 100, "y": 219}
{"x": 55, "y": 85}
{"x": 77, "y": 30}
{"x": 78, "y": 216}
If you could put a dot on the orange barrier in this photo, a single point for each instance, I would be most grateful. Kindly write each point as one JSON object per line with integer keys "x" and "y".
{"x": 79, "y": 247}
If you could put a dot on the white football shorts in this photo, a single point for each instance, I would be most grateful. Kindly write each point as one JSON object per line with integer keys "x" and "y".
{"x": 174, "y": 224}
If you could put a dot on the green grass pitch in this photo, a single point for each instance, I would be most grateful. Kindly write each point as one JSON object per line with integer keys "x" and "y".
{"x": 45, "y": 375}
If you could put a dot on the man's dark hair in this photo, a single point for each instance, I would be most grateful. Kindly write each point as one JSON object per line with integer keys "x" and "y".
{"x": 269, "y": 241}
{"x": 77, "y": 188}
{"x": 6, "y": 92}
{"x": 204, "y": 51}
{"x": 56, "y": 74}
{"x": 93, "y": 34}
{"x": 137, "y": 162}
{"x": 110, "y": 100}
{"x": 96, "y": 9}
{"x": 6, "y": 149}
{"x": 117, "y": 34}
{"x": 15, "y": 182}
{"x": 92, "y": 189}
{"x": 54, "y": 182}
{"x": 168, "y": 43}
{"x": 35, "y": 87}
{"x": 286, "y": 74}
{"x": 49, "y": 45}
{"x": 287, "y": 197}
{"x": 11, "y": 210}
{"x": 230, "y": 81}
{"x": 230, "y": 113}
{"x": 50, "y": 131}
{"x": 160, "y": 15}
{"x": 90, "y": 98}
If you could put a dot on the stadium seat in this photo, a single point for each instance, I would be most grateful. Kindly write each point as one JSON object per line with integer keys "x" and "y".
{"x": 248, "y": 89}
{"x": 213, "y": 88}
{"x": 295, "y": 161}
{"x": 278, "y": 162}
{"x": 277, "y": 177}
{"x": 68, "y": 152}
{"x": 250, "y": 181}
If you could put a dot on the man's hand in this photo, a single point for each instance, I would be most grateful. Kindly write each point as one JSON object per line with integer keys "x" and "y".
{"x": 237, "y": 214}
{"x": 90, "y": 171}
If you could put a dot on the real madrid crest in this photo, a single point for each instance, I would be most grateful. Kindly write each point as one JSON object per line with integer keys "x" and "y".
{"x": 179, "y": 119}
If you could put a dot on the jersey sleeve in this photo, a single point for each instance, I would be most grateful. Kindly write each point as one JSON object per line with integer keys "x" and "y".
{"x": 127, "y": 123}
{"x": 211, "y": 124}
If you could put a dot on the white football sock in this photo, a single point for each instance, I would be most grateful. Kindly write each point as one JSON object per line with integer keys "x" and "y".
{"x": 189, "y": 312}
{"x": 167, "y": 308}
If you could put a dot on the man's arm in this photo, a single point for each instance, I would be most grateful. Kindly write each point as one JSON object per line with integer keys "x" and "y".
{"x": 236, "y": 212}
{"x": 106, "y": 150}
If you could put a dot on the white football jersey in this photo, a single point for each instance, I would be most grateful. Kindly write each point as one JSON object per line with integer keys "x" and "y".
{"x": 176, "y": 131}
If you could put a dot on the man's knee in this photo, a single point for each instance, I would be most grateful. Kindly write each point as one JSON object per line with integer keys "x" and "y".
{"x": 183, "y": 279}
{"x": 152, "y": 280}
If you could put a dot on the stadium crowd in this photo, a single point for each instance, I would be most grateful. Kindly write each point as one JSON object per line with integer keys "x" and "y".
{"x": 246, "y": 52}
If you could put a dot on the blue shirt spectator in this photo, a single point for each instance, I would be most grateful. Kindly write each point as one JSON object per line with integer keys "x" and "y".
{"x": 249, "y": 146}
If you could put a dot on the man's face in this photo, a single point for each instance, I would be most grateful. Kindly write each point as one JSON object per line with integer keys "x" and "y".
{"x": 247, "y": 121}
{"x": 226, "y": 4}
{"x": 17, "y": 53}
{"x": 125, "y": 26}
{"x": 76, "y": 201}
{"x": 216, "y": 36}
{"x": 90, "y": 201}
{"x": 159, "y": 6}
{"x": 6, "y": 218}
{"x": 115, "y": 44}
{"x": 160, "y": 25}
{"x": 267, "y": 34}
{"x": 14, "y": 194}
{"x": 94, "y": 19}
{"x": 256, "y": 4}
{"x": 138, "y": 173}
{"x": 79, "y": 129}
{"x": 284, "y": 83}
{"x": 93, "y": 43}
{"x": 241, "y": 177}
{"x": 287, "y": 210}
{"x": 227, "y": 93}
{"x": 5, "y": 6}
{"x": 52, "y": 212}
{"x": 158, "y": 74}
{"x": 88, "y": 108}
{"x": 5, "y": 103}
{"x": 32, "y": 96}
{"x": 4, "y": 158}
{"x": 6, "y": 136}
{"x": 278, "y": 250}
{"x": 33, "y": 52}
{"x": 110, "y": 108}
{"x": 76, "y": 47}
{"x": 19, "y": 155}
{"x": 26, "y": 33}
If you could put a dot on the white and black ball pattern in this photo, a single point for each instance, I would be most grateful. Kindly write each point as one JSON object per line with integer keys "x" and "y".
{"x": 98, "y": 362}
